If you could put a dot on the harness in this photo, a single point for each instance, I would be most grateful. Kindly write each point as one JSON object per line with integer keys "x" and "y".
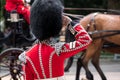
{"x": 92, "y": 22}
{"x": 111, "y": 32}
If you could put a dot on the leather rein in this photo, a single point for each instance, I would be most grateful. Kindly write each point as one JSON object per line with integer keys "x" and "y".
{"x": 111, "y": 32}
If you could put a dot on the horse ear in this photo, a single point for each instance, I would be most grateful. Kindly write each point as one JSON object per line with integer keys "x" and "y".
{"x": 46, "y": 18}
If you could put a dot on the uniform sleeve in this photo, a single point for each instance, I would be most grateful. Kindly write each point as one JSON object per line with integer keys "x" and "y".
{"x": 28, "y": 66}
{"x": 82, "y": 40}
{"x": 28, "y": 75}
{"x": 18, "y": 1}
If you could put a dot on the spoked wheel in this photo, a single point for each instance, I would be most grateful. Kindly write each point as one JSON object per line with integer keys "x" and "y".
{"x": 10, "y": 65}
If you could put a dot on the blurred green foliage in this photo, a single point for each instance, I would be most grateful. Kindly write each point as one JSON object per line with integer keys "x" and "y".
{"x": 85, "y": 4}
{"x": 2, "y": 3}
{"x": 82, "y": 4}
{"x": 114, "y": 4}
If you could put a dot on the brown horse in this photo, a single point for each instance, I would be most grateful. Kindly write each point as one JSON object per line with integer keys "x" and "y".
{"x": 102, "y": 28}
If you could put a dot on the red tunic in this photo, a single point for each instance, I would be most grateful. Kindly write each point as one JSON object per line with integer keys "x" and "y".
{"x": 42, "y": 61}
{"x": 19, "y": 6}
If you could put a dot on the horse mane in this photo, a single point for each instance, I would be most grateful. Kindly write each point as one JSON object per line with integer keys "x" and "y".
{"x": 90, "y": 16}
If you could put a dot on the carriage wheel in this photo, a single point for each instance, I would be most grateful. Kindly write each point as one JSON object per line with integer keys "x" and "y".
{"x": 9, "y": 63}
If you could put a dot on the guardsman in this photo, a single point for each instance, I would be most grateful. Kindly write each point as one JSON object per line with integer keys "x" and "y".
{"x": 45, "y": 59}
{"x": 18, "y": 5}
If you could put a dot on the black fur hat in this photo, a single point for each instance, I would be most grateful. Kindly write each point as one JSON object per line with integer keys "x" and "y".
{"x": 46, "y": 18}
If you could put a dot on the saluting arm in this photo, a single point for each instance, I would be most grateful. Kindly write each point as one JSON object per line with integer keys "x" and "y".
{"x": 82, "y": 40}
{"x": 18, "y": 1}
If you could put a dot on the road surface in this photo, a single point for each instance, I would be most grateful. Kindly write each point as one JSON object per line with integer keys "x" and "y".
{"x": 111, "y": 69}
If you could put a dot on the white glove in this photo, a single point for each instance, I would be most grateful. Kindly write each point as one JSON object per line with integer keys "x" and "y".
{"x": 66, "y": 21}
{"x": 28, "y": 1}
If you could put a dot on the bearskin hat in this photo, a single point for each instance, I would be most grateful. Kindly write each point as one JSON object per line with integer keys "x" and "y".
{"x": 46, "y": 18}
